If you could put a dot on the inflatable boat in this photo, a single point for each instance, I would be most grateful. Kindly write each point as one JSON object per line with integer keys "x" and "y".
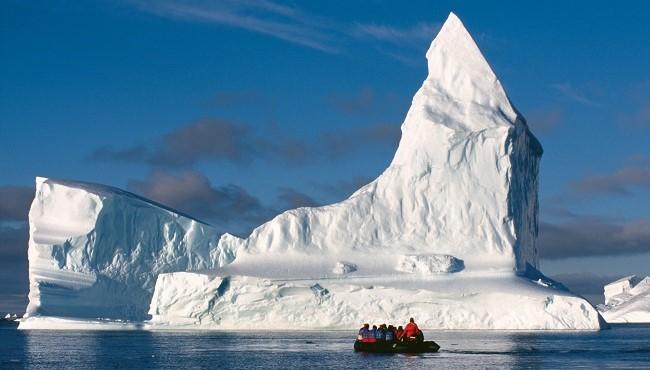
{"x": 428, "y": 346}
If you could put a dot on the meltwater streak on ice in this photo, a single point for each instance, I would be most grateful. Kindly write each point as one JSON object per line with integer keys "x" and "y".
{"x": 447, "y": 234}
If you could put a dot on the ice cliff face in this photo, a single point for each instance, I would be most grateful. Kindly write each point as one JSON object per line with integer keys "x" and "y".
{"x": 447, "y": 234}
{"x": 627, "y": 300}
{"x": 183, "y": 300}
{"x": 463, "y": 181}
{"x": 96, "y": 251}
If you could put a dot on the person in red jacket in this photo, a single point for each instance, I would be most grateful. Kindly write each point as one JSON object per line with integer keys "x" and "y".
{"x": 399, "y": 333}
{"x": 411, "y": 331}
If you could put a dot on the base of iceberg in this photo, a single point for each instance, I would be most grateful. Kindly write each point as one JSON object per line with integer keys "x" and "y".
{"x": 474, "y": 301}
{"x": 70, "y": 323}
{"x": 461, "y": 301}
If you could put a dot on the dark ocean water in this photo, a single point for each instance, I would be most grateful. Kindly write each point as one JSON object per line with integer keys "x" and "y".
{"x": 622, "y": 347}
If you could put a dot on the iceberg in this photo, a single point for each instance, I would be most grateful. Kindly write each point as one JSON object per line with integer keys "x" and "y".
{"x": 96, "y": 251}
{"x": 627, "y": 300}
{"x": 446, "y": 234}
{"x": 10, "y": 317}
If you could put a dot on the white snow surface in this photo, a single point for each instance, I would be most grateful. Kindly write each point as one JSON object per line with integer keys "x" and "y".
{"x": 96, "y": 251}
{"x": 185, "y": 300}
{"x": 460, "y": 191}
{"x": 429, "y": 264}
{"x": 627, "y": 300}
{"x": 342, "y": 267}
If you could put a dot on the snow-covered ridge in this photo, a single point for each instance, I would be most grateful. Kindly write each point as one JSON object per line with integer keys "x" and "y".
{"x": 96, "y": 251}
{"x": 446, "y": 233}
{"x": 627, "y": 300}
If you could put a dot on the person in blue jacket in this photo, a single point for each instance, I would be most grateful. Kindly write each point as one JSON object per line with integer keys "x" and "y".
{"x": 390, "y": 334}
{"x": 365, "y": 335}
{"x": 380, "y": 333}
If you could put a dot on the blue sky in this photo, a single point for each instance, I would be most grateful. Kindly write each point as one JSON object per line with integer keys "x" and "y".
{"x": 261, "y": 106}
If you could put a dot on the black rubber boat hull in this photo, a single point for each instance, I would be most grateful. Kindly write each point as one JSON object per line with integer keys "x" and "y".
{"x": 399, "y": 347}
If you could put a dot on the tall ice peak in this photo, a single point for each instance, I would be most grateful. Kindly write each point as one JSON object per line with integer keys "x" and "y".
{"x": 459, "y": 72}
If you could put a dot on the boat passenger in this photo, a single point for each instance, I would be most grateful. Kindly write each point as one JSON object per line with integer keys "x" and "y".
{"x": 373, "y": 333}
{"x": 364, "y": 333}
{"x": 411, "y": 330}
{"x": 390, "y": 333}
{"x": 420, "y": 336}
{"x": 399, "y": 333}
{"x": 368, "y": 336}
{"x": 380, "y": 334}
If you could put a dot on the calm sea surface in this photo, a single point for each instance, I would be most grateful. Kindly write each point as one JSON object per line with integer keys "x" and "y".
{"x": 622, "y": 347}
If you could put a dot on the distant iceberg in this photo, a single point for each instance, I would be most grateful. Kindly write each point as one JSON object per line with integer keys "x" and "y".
{"x": 446, "y": 234}
{"x": 10, "y": 317}
{"x": 627, "y": 300}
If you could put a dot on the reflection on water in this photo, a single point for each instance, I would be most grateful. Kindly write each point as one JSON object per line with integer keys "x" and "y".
{"x": 621, "y": 347}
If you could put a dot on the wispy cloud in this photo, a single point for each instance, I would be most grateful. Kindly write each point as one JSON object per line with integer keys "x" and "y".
{"x": 291, "y": 198}
{"x": 336, "y": 144}
{"x": 584, "y": 236}
{"x": 228, "y": 207}
{"x": 223, "y": 140}
{"x": 573, "y": 93}
{"x": 405, "y": 45}
{"x": 205, "y": 139}
{"x": 291, "y": 24}
{"x": 416, "y": 34}
{"x": 277, "y": 20}
{"x": 619, "y": 182}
